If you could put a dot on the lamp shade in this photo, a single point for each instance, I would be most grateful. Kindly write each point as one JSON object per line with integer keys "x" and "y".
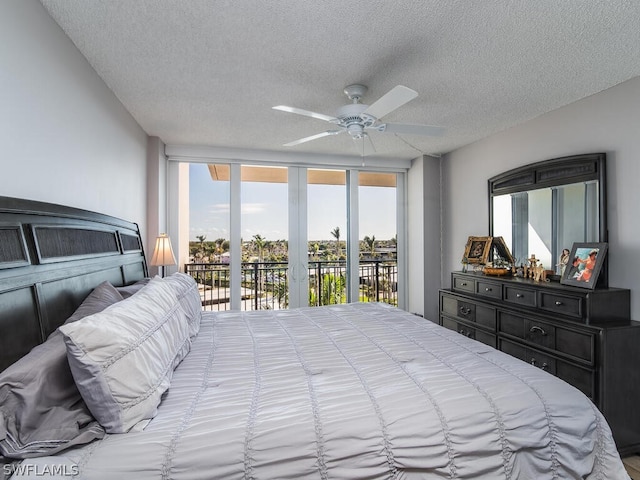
{"x": 163, "y": 253}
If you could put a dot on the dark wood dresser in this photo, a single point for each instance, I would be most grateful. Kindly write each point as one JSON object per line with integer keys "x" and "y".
{"x": 584, "y": 337}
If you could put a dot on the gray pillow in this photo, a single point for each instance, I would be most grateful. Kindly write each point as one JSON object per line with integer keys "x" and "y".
{"x": 129, "y": 290}
{"x": 103, "y": 296}
{"x": 122, "y": 359}
{"x": 41, "y": 410}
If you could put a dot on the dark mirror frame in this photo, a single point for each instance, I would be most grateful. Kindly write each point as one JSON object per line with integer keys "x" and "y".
{"x": 552, "y": 173}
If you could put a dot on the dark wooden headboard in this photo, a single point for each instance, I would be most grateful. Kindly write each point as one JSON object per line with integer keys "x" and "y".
{"x": 51, "y": 257}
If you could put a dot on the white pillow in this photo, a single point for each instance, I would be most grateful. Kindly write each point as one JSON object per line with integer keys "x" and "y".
{"x": 189, "y": 298}
{"x": 122, "y": 359}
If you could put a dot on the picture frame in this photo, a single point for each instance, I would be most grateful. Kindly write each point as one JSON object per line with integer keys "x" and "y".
{"x": 502, "y": 251}
{"x": 585, "y": 264}
{"x": 477, "y": 250}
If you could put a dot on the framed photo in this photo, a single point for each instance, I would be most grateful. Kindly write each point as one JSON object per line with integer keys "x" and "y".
{"x": 502, "y": 251}
{"x": 477, "y": 250}
{"x": 585, "y": 264}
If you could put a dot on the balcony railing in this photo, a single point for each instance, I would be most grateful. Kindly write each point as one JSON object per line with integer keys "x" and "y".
{"x": 265, "y": 285}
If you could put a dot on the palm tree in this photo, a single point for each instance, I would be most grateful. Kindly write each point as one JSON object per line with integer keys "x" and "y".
{"x": 260, "y": 243}
{"x": 370, "y": 244}
{"x": 219, "y": 242}
{"x": 315, "y": 248}
{"x": 336, "y": 233}
{"x": 394, "y": 243}
{"x": 201, "y": 239}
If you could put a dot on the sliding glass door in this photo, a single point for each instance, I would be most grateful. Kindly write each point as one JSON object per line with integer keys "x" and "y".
{"x": 378, "y": 238}
{"x": 274, "y": 237}
{"x": 327, "y": 233}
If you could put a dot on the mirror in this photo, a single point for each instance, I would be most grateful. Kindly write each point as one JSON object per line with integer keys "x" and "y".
{"x": 545, "y": 207}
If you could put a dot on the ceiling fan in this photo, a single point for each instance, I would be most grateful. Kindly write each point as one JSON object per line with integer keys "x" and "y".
{"x": 357, "y": 118}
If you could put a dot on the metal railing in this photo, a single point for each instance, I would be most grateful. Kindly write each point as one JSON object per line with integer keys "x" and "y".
{"x": 265, "y": 285}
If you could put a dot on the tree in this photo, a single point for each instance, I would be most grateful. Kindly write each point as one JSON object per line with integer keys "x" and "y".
{"x": 315, "y": 248}
{"x": 201, "y": 239}
{"x": 370, "y": 243}
{"x": 259, "y": 242}
{"x": 336, "y": 234}
{"x": 219, "y": 242}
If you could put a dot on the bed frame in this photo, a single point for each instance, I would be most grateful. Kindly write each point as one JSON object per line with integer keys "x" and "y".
{"x": 51, "y": 257}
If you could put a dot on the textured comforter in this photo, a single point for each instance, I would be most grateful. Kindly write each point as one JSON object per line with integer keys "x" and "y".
{"x": 361, "y": 391}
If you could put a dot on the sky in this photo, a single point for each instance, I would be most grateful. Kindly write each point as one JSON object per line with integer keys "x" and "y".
{"x": 264, "y": 209}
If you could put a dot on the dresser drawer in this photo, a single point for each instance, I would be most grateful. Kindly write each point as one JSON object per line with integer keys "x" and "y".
{"x": 456, "y": 307}
{"x": 579, "y": 345}
{"x": 520, "y": 296}
{"x": 561, "y": 304}
{"x": 530, "y": 330}
{"x": 537, "y": 359}
{"x": 489, "y": 289}
{"x": 464, "y": 309}
{"x": 486, "y": 316}
{"x": 464, "y": 284}
{"x": 580, "y": 377}
{"x": 583, "y": 379}
{"x": 469, "y": 332}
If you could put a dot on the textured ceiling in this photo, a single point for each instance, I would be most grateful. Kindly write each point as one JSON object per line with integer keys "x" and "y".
{"x": 207, "y": 72}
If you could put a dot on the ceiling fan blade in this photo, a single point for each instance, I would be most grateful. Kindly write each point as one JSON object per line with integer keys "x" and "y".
{"x": 394, "y": 98}
{"x": 410, "y": 129}
{"x": 312, "y": 137}
{"x": 306, "y": 113}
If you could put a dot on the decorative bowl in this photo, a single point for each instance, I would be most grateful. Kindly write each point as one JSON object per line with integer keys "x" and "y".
{"x": 496, "y": 271}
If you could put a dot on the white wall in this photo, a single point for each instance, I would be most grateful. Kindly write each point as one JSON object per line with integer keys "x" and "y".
{"x": 606, "y": 122}
{"x": 65, "y": 137}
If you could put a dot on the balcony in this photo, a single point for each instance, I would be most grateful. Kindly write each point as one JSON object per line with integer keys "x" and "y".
{"x": 265, "y": 285}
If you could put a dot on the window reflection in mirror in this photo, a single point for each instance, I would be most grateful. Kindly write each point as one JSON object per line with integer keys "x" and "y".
{"x": 545, "y": 221}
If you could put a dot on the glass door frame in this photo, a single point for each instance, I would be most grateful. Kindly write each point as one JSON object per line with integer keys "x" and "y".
{"x": 297, "y": 204}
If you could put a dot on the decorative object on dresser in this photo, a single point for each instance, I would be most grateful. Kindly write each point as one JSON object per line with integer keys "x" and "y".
{"x": 477, "y": 250}
{"x": 585, "y": 263}
{"x": 585, "y": 337}
{"x": 501, "y": 256}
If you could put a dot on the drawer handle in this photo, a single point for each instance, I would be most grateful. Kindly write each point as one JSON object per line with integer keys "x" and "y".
{"x": 464, "y": 284}
{"x": 544, "y": 365}
{"x": 558, "y": 302}
{"x": 462, "y": 331}
{"x": 519, "y": 295}
{"x": 465, "y": 311}
{"x": 538, "y": 329}
{"x": 487, "y": 289}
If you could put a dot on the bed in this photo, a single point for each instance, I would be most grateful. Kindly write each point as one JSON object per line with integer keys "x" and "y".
{"x": 361, "y": 390}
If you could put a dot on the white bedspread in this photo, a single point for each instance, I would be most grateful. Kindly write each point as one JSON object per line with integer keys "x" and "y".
{"x": 361, "y": 391}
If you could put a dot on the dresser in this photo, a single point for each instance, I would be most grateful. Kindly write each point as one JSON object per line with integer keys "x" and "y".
{"x": 584, "y": 337}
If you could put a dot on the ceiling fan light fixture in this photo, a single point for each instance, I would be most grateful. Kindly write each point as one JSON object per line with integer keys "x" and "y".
{"x": 356, "y": 130}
